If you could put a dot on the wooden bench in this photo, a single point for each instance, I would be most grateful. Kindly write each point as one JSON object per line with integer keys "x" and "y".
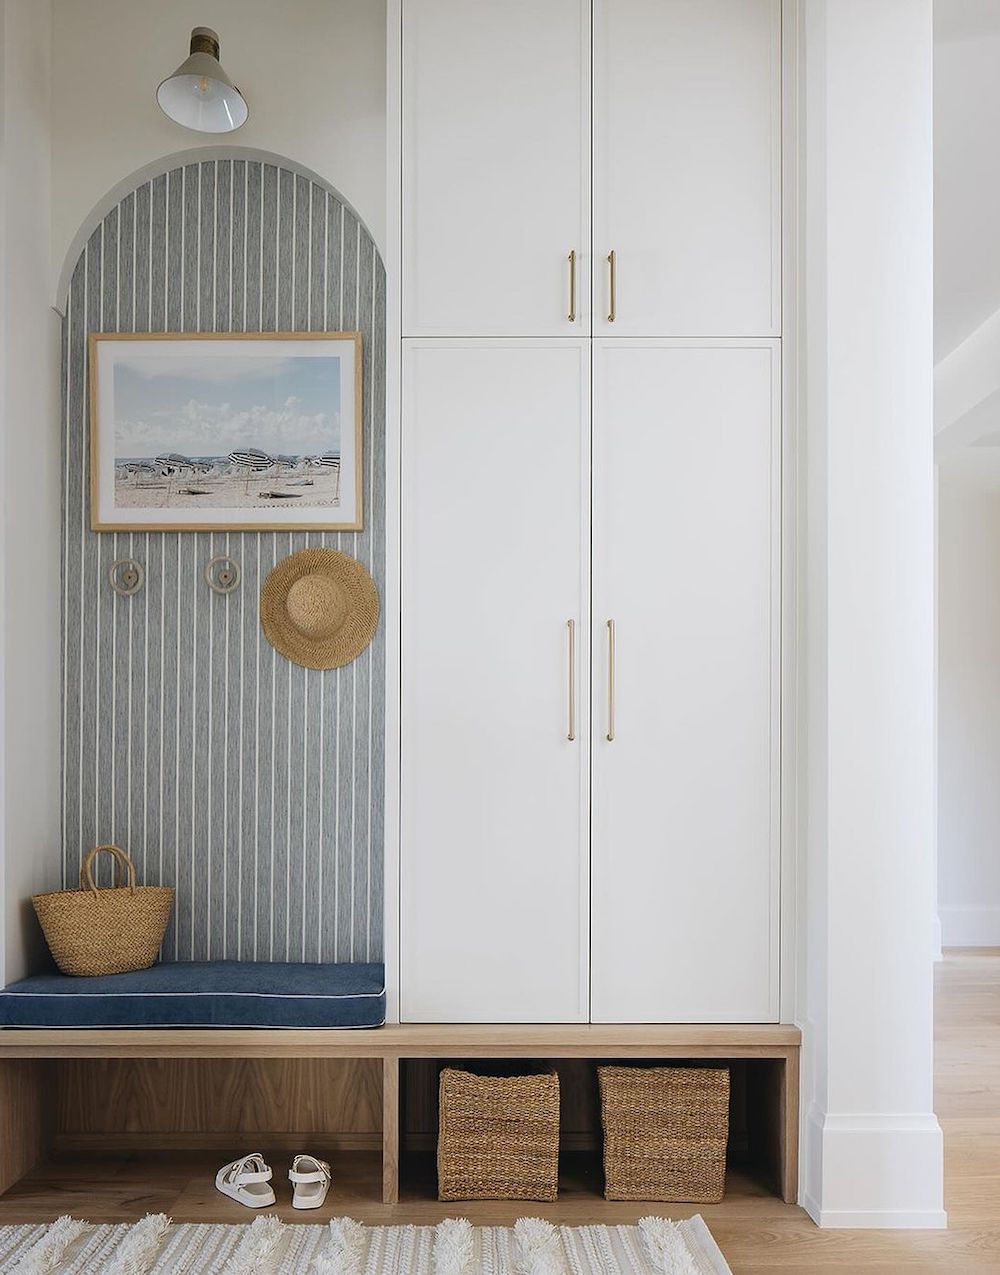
{"x": 27, "y": 1055}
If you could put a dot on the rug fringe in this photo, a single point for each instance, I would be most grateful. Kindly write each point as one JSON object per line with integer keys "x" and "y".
{"x": 137, "y": 1251}
{"x": 532, "y": 1247}
{"x": 257, "y": 1247}
{"x": 345, "y": 1249}
{"x": 49, "y": 1251}
{"x": 454, "y": 1249}
{"x": 666, "y": 1246}
{"x": 539, "y": 1247}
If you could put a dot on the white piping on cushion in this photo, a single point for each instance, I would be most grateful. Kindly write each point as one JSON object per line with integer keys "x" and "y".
{"x": 277, "y": 996}
{"x": 144, "y": 1027}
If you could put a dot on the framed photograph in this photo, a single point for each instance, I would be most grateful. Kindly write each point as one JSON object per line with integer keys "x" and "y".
{"x": 225, "y": 431}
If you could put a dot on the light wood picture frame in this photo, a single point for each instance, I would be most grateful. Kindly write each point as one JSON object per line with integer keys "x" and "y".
{"x": 226, "y": 431}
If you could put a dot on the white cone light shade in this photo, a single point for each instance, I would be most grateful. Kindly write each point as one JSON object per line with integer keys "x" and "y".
{"x": 199, "y": 94}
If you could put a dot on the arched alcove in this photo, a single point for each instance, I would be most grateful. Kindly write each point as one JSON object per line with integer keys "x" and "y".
{"x": 171, "y": 163}
{"x": 251, "y": 784}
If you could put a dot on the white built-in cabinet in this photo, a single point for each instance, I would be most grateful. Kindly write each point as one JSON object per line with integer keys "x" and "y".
{"x": 496, "y": 168}
{"x": 590, "y": 511}
{"x": 495, "y": 558}
{"x": 686, "y": 135}
{"x": 542, "y": 140}
{"x": 684, "y": 849}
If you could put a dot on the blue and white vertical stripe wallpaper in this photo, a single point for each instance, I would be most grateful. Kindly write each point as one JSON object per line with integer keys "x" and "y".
{"x": 252, "y": 785}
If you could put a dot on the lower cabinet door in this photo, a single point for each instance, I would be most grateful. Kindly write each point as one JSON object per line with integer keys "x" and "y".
{"x": 494, "y": 827}
{"x": 685, "y": 890}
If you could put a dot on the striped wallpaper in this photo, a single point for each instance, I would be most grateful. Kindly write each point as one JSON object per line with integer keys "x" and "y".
{"x": 252, "y": 785}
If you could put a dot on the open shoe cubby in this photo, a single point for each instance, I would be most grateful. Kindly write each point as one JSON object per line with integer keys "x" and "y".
{"x": 754, "y": 1147}
{"x": 114, "y": 1124}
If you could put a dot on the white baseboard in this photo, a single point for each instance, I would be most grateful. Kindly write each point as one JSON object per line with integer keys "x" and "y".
{"x": 881, "y": 1170}
{"x": 970, "y": 926}
{"x": 832, "y": 1219}
{"x": 936, "y": 947}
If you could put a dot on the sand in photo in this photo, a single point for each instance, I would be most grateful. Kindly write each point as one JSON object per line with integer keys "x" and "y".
{"x": 319, "y": 488}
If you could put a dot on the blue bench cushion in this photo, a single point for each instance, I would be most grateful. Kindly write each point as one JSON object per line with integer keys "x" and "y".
{"x": 202, "y": 994}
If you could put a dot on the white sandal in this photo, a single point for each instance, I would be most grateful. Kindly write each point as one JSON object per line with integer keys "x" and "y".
{"x": 246, "y": 1181}
{"x": 311, "y": 1181}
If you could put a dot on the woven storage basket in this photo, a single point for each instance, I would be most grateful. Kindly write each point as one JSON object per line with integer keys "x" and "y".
{"x": 665, "y": 1132}
{"x": 92, "y": 931}
{"x": 498, "y": 1136}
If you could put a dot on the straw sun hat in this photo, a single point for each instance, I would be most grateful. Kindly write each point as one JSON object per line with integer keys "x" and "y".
{"x": 319, "y": 608}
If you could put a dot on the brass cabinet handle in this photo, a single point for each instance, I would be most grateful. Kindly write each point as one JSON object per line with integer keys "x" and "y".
{"x": 613, "y": 272}
{"x": 571, "y": 634}
{"x": 611, "y": 680}
{"x": 572, "y": 286}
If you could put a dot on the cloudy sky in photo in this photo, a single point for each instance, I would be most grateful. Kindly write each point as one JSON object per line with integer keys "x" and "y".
{"x": 211, "y": 404}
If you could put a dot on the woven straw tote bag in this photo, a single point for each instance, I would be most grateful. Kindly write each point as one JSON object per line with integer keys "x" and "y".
{"x": 108, "y": 931}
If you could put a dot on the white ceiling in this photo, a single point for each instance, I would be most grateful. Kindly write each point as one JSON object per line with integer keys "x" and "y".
{"x": 966, "y": 167}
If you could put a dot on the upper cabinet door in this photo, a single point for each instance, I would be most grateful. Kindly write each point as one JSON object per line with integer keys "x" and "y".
{"x": 687, "y": 132}
{"x": 496, "y": 168}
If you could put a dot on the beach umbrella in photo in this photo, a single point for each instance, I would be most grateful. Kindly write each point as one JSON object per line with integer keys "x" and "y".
{"x": 170, "y": 462}
{"x": 253, "y": 461}
{"x": 329, "y": 460}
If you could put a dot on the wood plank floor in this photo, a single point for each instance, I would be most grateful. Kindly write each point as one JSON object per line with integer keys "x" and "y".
{"x": 756, "y": 1231}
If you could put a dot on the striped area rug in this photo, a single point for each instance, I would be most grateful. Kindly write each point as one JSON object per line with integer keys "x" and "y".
{"x": 268, "y": 1246}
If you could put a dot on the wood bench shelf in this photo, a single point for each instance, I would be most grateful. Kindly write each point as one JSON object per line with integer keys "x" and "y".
{"x": 33, "y": 1063}
{"x": 411, "y": 1041}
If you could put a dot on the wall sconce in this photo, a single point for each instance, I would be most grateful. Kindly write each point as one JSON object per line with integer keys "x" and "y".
{"x": 199, "y": 94}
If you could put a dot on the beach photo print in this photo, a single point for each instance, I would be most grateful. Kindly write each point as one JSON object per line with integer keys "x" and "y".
{"x": 225, "y": 432}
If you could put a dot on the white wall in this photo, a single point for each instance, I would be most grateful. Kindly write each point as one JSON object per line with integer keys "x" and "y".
{"x": 313, "y": 72}
{"x": 29, "y": 473}
{"x": 966, "y": 168}
{"x": 967, "y": 420}
{"x": 968, "y": 708}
